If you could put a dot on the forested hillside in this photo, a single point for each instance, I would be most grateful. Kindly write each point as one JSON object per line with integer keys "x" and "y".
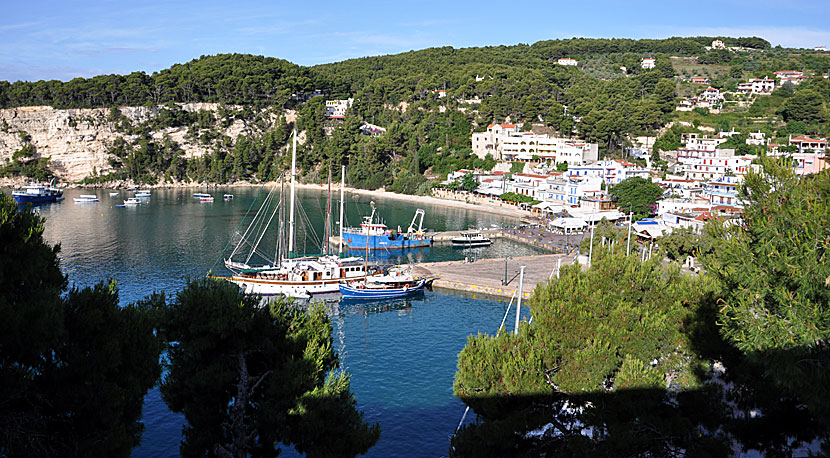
{"x": 426, "y": 135}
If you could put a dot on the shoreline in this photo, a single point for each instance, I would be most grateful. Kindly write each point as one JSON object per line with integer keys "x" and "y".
{"x": 497, "y": 208}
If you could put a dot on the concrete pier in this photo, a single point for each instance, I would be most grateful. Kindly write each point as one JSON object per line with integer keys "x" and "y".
{"x": 485, "y": 276}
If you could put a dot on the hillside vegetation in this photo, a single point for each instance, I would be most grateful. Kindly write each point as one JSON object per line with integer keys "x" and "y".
{"x": 426, "y": 135}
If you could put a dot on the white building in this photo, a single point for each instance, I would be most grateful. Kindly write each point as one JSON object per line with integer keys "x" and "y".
{"x": 612, "y": 172}
{"x": 337, "y": 108}
{"x": 504, "y": 142}
{"x": 723, "y": 192}
{"x": 791, "y": 76}
{"x": 570, "y": 190}
{"x": 718, "y": 44}
{"x": 757, "y": 138}
{"x": 711, "y": 95}
{"x": 757, "y": 86}
{"x": 567, "y": 61}
{"x": 648, "y": 62}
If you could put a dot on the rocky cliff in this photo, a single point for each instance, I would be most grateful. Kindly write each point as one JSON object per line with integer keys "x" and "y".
{"x": 77, "y": 140}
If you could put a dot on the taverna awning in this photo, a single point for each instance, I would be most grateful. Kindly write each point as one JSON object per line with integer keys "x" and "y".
{"x": 569, "y": 224}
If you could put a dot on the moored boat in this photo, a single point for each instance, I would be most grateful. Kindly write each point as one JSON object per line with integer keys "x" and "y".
{"x": 84, "y": 198}
{"x": 228, "y": 197}
{"x": 206, "y": 199}
{"x": 132, "y": 201}
{"x": 200, "y": 195}
{"x": 376, "y": 236}
{"x": 381, "y": 290}
{"x": 37, "y": 193}
{"x": 142, "y": 193}
{"x": 471, "y": 238}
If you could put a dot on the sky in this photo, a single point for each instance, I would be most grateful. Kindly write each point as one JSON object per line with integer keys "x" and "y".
{"x": 44, "y": 40}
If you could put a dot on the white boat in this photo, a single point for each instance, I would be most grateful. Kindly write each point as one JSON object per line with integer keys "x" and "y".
{"x": 284, "y": 275}
{"x": 228, "y": 197}
{"x": 142, "y": 193}
{"x": 83, "y": 198}
{"x": 206, "y": 199}
{"x": 112, "y": 194}
{"x": 471, "y": 238}
{"x": 200, "y": 195}
{"x": 132, "y": 201}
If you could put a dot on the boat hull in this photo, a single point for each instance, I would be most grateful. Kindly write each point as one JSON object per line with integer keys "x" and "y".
{"x": 353, "y": 293}
{"x": 468, "y": 243}
{"x": 384, "y": 242}
{"x": 35, "y": 199}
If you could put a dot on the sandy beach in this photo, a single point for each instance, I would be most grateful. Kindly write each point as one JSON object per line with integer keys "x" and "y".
{"x": 471, "y": 202}
{"x": 479, "y": 205}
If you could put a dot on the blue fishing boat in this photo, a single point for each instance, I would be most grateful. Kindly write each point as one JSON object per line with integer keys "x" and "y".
{"x": 376, "y": 236}
{"x": 381, "y": 290}
{"x": 36, "y": 193}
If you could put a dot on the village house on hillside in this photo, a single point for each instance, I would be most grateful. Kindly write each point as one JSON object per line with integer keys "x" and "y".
{"x": 757, "y": 86}
{"x": 790, "y": 76}
{"x": 567, "y": 61}
{"x": 336, "y": 109}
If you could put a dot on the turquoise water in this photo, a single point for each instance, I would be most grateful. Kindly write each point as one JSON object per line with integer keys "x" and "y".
{"x": 401, "y": 354}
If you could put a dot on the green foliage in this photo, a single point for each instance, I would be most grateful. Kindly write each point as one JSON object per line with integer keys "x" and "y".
{"x": 469, "y": 183}
{"x": 773, "y": 269}
{"x": 268, "y": 371}
{"x": 515, "y": 198}
{"x": 604, "y": 342}
{"x": 562, "y": 167}
{"x": 75, "y": 367}
{"x": 638, "y": 195}
{"x": 681, "y": 243}
{"x": 517, "y": 167}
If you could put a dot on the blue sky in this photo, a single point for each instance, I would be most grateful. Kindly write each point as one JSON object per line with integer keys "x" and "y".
{"x": 63, "y": 39}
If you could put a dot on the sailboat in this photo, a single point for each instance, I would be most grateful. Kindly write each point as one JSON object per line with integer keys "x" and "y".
{"x": 286, "y": 275}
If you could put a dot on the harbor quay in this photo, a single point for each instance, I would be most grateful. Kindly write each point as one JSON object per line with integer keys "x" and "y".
{"x": 488, "y": 276}
{"x": 537, "y": 237}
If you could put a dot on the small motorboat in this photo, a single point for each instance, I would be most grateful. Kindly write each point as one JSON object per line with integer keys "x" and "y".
{"x": 471, "y": 238}
{"x": 142, "y": 193}
{"x": 200, "y": 195}
{"x": 112, "y": 194}
{"x": 206, "y": 199}
{"x": 132, "y": 201}
{"x": 228, "y": 197}
{"x": 367, "y": 290}
{"x": 84, "y": 198}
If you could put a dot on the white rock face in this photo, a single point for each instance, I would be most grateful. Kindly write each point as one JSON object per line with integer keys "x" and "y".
{"x": 77, "y": 140}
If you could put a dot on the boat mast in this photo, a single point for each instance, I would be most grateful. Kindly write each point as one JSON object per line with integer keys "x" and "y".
{"x": 342, "y": 184}
{"x": 293, "y": 195}
{"x": 328, "y": 215}
{"x": 281, "y": 224}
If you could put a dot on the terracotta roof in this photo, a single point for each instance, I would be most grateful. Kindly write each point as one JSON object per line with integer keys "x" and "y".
{"x": 806, "y": 139}
{"x": 506, "y": 126}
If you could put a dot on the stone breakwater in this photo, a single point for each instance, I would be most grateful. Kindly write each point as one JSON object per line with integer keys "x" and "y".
{"x": 77, "y": 140}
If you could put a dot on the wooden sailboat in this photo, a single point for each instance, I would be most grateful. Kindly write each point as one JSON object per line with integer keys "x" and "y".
{"x": 286, "y": 275}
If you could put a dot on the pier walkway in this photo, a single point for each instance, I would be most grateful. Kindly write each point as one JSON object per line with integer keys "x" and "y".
{"x": 485, "y": 276}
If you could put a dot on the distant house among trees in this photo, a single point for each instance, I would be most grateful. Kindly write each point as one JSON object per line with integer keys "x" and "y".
{"x": 567, "y": 61}
{"x": 336, "y": 109}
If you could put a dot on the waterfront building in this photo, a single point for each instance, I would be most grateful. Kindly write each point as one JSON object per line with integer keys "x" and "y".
{"x": 723, "y": 191}
{"x": 610, "y": 171}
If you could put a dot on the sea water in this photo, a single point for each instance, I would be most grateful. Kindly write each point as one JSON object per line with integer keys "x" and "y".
{"x": 401, "y": 354}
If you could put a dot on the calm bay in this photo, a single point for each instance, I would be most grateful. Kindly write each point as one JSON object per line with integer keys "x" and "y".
{"x": 401, "y": 354}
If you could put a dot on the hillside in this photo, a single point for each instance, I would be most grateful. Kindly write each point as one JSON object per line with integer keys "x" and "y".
{"x": 253, "y": 99}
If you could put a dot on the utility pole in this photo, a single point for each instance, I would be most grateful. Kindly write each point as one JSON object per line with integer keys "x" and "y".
{"x": 630, "y": 219}
{"x": 519, "y": 303}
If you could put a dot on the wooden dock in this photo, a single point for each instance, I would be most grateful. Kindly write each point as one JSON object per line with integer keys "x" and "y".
{"x": 485, "y": 276}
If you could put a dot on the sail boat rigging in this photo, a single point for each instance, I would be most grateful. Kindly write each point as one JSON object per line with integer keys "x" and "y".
{"x": 286, "y": 275}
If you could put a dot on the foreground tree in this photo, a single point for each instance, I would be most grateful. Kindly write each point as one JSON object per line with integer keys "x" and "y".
{"x": 589, "y": 377}
{"x": 249, "y": 377}
{"x": 74, "y": 369}
{"x": 775, "y": 300}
